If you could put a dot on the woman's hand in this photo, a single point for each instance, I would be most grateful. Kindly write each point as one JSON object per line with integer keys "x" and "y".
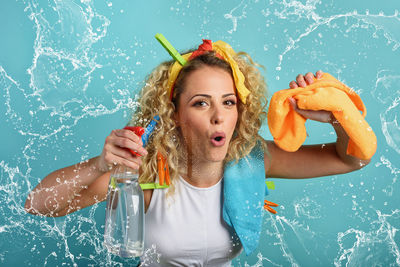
{"x": 116, "y": 150}
{"x": 319, "y": 115}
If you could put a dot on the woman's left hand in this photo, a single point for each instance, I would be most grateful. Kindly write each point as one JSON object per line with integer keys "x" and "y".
{"x": 316, "y": 115}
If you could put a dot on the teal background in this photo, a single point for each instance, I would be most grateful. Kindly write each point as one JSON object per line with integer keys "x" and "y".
{"x": 69, "y": 71}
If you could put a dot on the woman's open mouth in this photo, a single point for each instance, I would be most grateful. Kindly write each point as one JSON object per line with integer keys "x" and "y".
{"x": 218, "y": 139}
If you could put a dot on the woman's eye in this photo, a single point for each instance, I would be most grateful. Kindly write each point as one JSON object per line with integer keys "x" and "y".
{"x": 200, "y": 103}
{"x": 230, "y": 102}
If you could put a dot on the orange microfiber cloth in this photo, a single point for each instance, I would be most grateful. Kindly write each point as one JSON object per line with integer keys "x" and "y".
{"x": 287, "y": 126}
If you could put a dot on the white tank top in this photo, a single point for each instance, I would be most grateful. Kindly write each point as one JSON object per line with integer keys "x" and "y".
{"x": 187, "y": 228}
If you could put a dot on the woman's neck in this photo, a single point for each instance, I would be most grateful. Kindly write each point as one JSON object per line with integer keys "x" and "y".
{"x": 201, "y": 174}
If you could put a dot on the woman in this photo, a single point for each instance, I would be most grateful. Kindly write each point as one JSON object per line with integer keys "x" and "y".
{"x": 211, "y": 112}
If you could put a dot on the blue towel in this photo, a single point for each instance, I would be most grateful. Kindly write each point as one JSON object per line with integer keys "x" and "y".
{"x": 244, "y": 193}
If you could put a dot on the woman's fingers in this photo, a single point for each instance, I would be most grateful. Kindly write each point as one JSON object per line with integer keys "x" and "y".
{"x": 123, "y": 142}
{"x": 127, "y": 139}
{"x": 316, "y": 115}
{"x": 293, "y": 103}
{"x": 293, "y": 84}
{"x": 309, "y": 77}
{"x": 304, "y": 80}
{"x": 113, "y": 159}
{"x": 122, "y": 153}
{"x": 128, "y": 134}
{"x": 300, "y": 80}
{"x": 117, "y": 149}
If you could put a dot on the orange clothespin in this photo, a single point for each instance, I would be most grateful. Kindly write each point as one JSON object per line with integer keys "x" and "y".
{"x": 163, "y": 169}
{"x": 267, "y": 207}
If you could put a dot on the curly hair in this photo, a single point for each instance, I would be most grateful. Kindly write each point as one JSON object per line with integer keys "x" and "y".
{"x": 154, "y": 100}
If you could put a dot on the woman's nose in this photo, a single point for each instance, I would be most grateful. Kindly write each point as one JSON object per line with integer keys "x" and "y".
{"x": 217, "y": 115}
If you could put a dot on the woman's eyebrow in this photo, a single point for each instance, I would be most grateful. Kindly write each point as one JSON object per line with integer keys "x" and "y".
{"x": 203, "y": 95}
{"x": 208, "y": 96}
{"x": 226, "y": 95}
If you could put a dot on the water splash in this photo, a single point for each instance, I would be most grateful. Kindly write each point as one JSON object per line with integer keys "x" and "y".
{"x": 283, "y": 233}
{"x": 386, "y": 89}
{"x": 308, "y": 208}
{"x": 150, "y": 256}
{"x": 373, "y": 248}
{"x": 390, "y": 125}
{"x": 295, "y": 10}
{"x": 63, "y": 62}
{"x": 235, "y": 18}
{"x": 386, "y": 162}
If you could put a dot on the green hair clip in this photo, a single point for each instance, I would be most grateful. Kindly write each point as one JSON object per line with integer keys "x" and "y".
{"x": 170, "y": 49}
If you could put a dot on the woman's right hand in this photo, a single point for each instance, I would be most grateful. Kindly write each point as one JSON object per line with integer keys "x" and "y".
{"x": 116, "y": 150}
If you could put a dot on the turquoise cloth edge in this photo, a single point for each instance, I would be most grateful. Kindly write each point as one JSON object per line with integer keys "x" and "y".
{"x": 244, "y": 193}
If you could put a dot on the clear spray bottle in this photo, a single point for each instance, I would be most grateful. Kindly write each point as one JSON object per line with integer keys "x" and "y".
{"x": 124, "y": 226}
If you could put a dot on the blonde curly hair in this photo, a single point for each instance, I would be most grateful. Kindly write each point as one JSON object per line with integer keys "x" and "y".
{"x": 166, "y": 139}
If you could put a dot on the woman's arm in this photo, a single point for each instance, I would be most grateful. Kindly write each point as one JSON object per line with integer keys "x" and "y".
{"x": 68, "y": 189}
{"x": 83, "y": 184}
{"x": 312, "y": 160}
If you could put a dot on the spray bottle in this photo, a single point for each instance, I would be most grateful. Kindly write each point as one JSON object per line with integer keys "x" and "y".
{"x": 124, "y": 227}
